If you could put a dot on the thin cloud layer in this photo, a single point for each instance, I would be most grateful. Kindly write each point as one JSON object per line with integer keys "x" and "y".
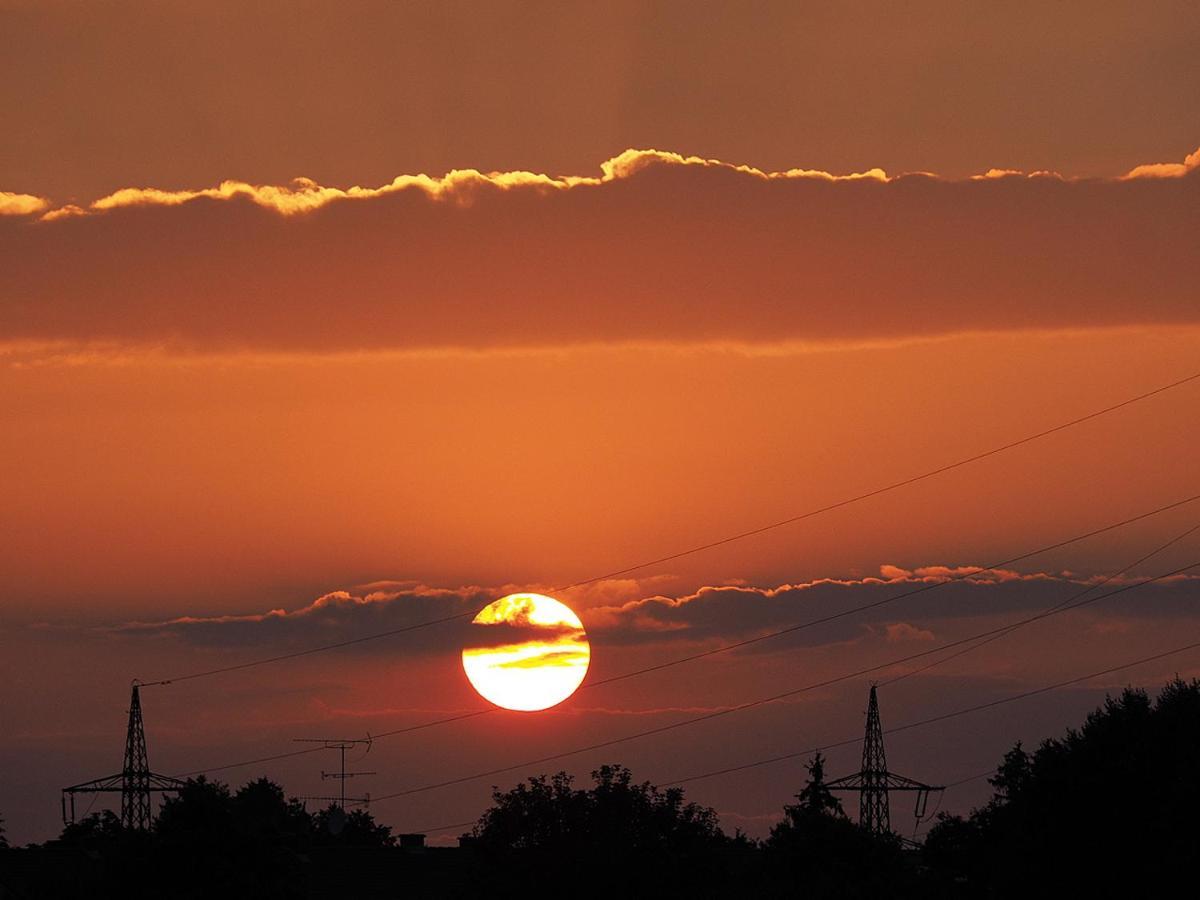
{"x": 709, "y": 614}
{"x": 657, "y": 248}
{"x": 713, "y": 614}
{"x": 304, "y": 195}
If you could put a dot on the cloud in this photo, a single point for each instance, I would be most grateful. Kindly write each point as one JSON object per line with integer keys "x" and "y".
{"x": 714, "y": 614}
{"x": 657, "y": 247}
{"x": 507, "y": 634}
{"x": 304, "y": 195}
{"x": 706, "y": 615}
{"x": 1166, "y": 170}
{"x": 900, "y": 632}
{"x": 549, "y": 658}
{"x": 335, "y": 616}
{"x": 21, "y": 204}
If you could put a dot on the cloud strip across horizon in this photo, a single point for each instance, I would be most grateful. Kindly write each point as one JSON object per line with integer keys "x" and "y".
{"x": 305, "y": 195}
{"x": 709, "y": 613}
{"x": 658, "y": 247}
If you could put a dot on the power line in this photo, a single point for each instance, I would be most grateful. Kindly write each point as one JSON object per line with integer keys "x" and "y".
{"x": 921, "y": 723}
{"x": 1013, "y": 698}
{"x": 970, "y": 778}
{"x": 752, "y": 704}
{"x": 814, "y": 622}
{"x": 249, "y": 762}
{"x": 1067, "y": 602}
{"x": 307, "y": 652}
{"x": 707, "y": 546}
{"x": 962, "y": 576}
{"x": 762, "y": 637}
{"x": 883, "y": 490}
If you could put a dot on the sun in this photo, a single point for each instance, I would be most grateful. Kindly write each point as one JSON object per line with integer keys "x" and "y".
{"x": 529, "y": 652}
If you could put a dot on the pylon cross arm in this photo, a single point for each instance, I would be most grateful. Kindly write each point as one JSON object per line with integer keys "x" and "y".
{"x": 111, "y": 783}
{"x": 902, "y": 783}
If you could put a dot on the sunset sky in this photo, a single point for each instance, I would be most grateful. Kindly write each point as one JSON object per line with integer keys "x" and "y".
{"x": 320, "y": 320}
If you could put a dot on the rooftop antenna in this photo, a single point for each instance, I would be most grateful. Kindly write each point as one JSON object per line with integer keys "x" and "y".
{"x": 342, "y": 745}
{"x": 874, "y": 782}
{"x": 134, "y": 783}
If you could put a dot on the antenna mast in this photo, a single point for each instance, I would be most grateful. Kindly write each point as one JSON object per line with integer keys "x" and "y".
{"x": 342, "y": 745}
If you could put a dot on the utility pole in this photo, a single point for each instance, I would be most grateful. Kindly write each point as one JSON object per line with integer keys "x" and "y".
{"x": 874, "y": 782}
{"x": 135, "y": 782}
{"x": 341, "y": 745}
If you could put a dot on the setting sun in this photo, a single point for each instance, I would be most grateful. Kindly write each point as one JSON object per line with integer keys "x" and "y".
{"x": 529, "y": 652}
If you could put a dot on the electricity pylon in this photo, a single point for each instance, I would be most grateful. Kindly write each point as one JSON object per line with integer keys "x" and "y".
{"x": 135, "y": 782}
{"x": 874, "y": 782}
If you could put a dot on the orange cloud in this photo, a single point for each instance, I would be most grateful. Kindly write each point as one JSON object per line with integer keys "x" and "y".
{"x": 509, "y": 657}
{"x": 658, "y": 247}
{"x": 1166, "y": 170}
{"x": 304, "y": 195}
{"x": 21, "y": 204}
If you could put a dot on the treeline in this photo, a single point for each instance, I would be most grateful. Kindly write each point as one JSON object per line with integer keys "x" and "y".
{"x": 1110, "y": 808}
{"x": 1107, "y": 809}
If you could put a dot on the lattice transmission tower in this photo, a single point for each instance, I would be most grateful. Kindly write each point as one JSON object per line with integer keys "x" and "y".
{"x": 134, "y": 783}
{"x": 874, "y": 782}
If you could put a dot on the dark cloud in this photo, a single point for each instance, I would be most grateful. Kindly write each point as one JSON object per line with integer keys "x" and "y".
{"x": 333, "y": 617}
{"x": 657, "y": 250}
{"x": 723, "y": 613}
{"x": 710, "y": 614}
{"x": 501, "y": 634}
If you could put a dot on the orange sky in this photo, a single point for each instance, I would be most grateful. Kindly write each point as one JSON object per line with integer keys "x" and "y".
{"x": 239, "y": 420}
{"x": 174, "y": 94}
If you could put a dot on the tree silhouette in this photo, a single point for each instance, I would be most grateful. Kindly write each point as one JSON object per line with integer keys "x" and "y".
{"x": 1108, "y": 808}
{"x": 202, "y": 812}
{"x": 818, "y": 852}
{"x": 630, "y": 837}
{"x": 98, "y": 828}
{"x": 617, "y": 814}
{"x": 1013, "y": 774}
{"x": 262, "y": 813}
{"x": 218, "y": 843}
{"x": 3, "y": 839}
{"x": 815, "y": 796}
{"x": 332, "y": 826}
